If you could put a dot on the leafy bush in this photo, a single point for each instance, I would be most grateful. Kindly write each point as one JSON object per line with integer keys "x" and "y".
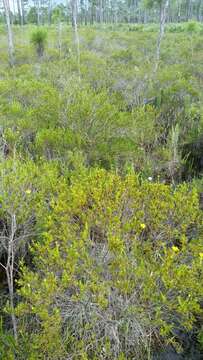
{"x": 38, "y": 39}
{"x": 7, "y": 344}
{"x": 192, "y": 26}
{"x": 114, "y": 271}
{"x": 173, "y": 28}
{"x": 138, "y": 27}
{"x": 119, "y": 263}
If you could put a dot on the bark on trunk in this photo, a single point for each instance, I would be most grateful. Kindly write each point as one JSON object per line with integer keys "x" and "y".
{"x": 75, "y": 28}
{"x": 163, "y": 13}
{"x": 19, "y": 12}
{"x": 38, "y": 12}
{"x": 49, "y": 12}
{"x": 60, "y": 37}
{"x": 101, "y": 11}
{"x": 23, "y": 13}
{"x": 10, "y": 273}
{"x": 9, "y": 32}
{"x": 199, "y": 10}
{"x": 10, "y": 268}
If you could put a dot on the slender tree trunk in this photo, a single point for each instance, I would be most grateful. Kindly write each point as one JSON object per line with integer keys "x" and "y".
{"x": 23, "y": 13}
{"x": 49, "y": 12}
{"x": 19, "y": 12}
{"x": 14, "y": 7}
{"x": 100, "y": 11}
{"x": 74, "y": 9}
{"x": 10, "y": 266}
{"x": 199, "y": 8}
{"x": 86, "y": 14}
{"x": 9, "y": 32}
{"x": 10, "y": 273}
{"x": 179, "y": 11}
{"x": 92, "y": 11}
{"x": 74, "y": 14}
{"x": 187, "y": 10}
{"x": 145, "y": 16}
{"x": 38, "y": 12}
{"x": 163, "y": 13}
{"x": 60, "y": 37}
{"x": 67, "y": 11}
{"x": 75, "y": 28}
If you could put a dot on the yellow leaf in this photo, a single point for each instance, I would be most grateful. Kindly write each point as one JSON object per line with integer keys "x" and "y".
{"x": 175, "y": 249}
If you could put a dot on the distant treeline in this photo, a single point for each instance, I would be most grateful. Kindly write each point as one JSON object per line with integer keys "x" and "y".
{"x": 102, "y": 11}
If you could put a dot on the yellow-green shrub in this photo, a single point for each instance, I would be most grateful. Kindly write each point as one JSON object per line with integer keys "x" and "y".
{"x": 120, "y": 262}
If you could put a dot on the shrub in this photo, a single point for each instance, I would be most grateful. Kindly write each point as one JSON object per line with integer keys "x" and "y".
{"x": 120, "y": 262}
{"x": 38, "y": 39}
{"x": 173, "y": 28}
{"x": 7, "y": 344}
{"x": 192, "y": 26}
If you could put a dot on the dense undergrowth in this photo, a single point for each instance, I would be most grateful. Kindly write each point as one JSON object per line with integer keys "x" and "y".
{"x": 101, "y": 193}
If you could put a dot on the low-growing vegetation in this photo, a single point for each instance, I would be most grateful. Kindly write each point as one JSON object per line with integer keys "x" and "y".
{"x": 101, "y": 192}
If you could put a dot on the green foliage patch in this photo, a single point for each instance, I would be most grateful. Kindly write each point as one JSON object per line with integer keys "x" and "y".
{"x": 101, "y": 191}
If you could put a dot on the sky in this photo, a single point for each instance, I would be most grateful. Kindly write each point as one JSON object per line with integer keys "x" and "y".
{"x": 13, "y": 3}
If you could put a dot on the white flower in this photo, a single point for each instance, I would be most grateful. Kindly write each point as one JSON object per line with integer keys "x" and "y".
{"x": 150, "y": 178}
